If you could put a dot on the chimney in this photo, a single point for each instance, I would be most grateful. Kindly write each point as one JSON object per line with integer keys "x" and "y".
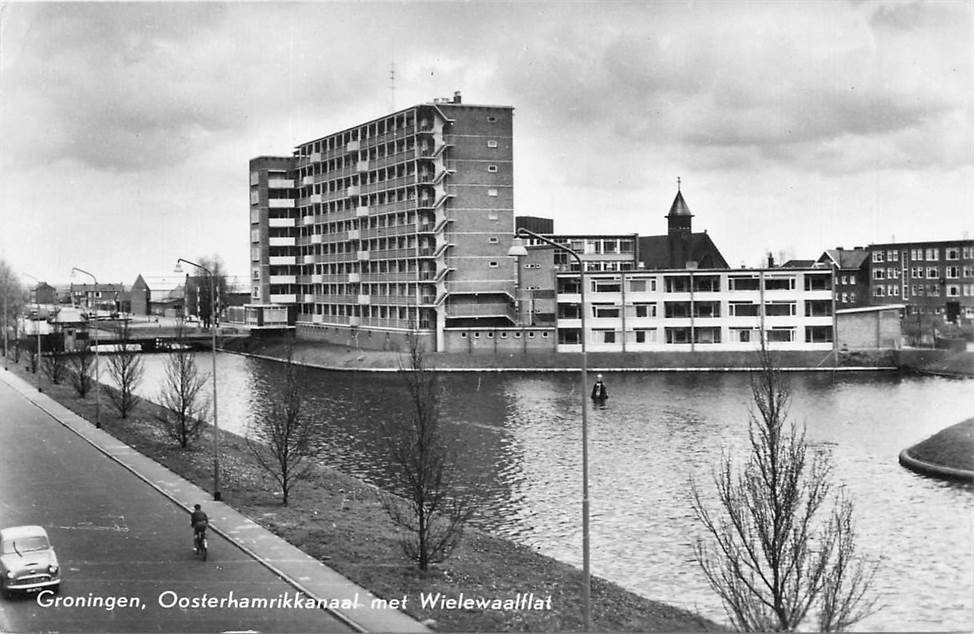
{"x": 770, "y": 261}
{"x": 456, "y": 97}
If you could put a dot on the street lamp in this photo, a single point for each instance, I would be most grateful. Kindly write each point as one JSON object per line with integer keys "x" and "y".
{"x": 6, "y": 291}
{"x": 518, "y": 250}
{"x": 95, "y": 329}
{"x": 216, "y": 425}
{"x": 37, "y": 330}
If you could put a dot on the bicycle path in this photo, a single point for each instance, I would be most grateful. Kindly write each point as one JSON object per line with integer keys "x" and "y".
{"x": 306, "y": 574}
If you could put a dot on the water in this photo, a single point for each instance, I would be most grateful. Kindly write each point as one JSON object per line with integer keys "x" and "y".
{"x": 521, "y": 435}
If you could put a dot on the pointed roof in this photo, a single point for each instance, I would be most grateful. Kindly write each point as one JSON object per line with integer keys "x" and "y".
{"x": 679, "y": 206}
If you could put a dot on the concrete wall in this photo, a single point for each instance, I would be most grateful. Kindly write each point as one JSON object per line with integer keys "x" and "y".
{"x": 869, "y": 330}
{"x": 492, "y": 341}
{"x": 364, "y": 339}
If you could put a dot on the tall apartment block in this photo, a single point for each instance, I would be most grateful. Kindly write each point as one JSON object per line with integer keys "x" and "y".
{"x": 396, "y": 225}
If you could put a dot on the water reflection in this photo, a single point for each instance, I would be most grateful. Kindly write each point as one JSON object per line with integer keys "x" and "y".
{"x": 521, "y": 439}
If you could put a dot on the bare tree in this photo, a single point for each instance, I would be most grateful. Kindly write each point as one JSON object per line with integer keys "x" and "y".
{"x": 81, "y": 364}
{"x": 284, "y": 440}
{"x": 428, "y": 503}
{"x": 55, "y": 366}
{"x": 182, "y": 397}
{"x": 775, "y": 551}
{"x": 126, "y": 369}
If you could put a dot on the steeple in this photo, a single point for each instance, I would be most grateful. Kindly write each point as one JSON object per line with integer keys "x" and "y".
{"x": 679, "y": 218}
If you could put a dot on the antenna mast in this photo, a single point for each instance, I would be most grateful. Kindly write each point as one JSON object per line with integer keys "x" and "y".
{"x": 392, "y": 86}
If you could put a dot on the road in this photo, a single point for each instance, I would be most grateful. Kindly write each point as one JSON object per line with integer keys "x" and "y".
{"x": 119, "y": 540}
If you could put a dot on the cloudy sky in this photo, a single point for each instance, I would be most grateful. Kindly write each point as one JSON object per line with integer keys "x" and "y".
{"x": 125, "y": 129}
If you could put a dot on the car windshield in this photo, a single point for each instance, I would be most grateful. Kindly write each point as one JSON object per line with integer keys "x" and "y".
{"x": 22, "y": 545}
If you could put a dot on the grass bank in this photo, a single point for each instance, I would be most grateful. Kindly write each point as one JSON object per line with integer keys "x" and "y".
{"x": 337, "y": 519}
{"x": 952, "y": 448}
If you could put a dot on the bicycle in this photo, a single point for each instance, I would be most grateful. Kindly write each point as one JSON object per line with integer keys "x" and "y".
{"x": 199, "y": 544}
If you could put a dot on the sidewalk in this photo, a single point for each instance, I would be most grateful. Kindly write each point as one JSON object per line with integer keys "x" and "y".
{"x": 305, "y": 573}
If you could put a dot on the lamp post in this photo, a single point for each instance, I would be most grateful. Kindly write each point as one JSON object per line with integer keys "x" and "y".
{"x": 518, "y": 250}
{"x": 6, "y": 291}
{"x": 37, "y": 330}
{"x": 216, "y": 425}
{"x": 95, "y": 330}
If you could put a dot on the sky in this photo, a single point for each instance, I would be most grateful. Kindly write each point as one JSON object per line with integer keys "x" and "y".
{"x": 795, "y": 127}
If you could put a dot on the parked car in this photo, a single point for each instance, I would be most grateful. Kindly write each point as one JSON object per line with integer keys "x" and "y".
{"x": 27, "y": 560}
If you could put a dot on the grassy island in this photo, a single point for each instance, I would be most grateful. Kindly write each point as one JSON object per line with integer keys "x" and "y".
{"x": 952, "y": 448}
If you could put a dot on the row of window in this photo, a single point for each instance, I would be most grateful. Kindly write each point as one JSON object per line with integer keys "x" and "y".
{"x": 920, "y": 290}
{"x": 704, "y": 335}
{"x": 931, "y": 254}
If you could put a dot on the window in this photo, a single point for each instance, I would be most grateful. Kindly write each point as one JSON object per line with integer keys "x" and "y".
{"x": 491, "y": 143}
{"x": 645, "y": 310}
{"x": 781, "y": 334}
{"x": 743, "y": 309}
{"x": 953, "y": 272}
{"x": 878, "y": 256}
{"x": 968, "y": 252}
{"x": 879, "y": 291}
{"x": 491, "y": 119}
{"x": 491, "y": 168}
{"x": 607, "y": 336}
{"x": 605, "y": 311}
{"x": 491, "y": 192}
{"x": 933, "y": 273}
{"x": 892, "y": 256}
{"x": 637, "y": 286}
{"x": 933, "y": 255}
{"x": 493, "y": 240}
{"x": 779, "y": 309}
{"x": 779, "y": 283}
{"x": 916, "y": 271}
{"x": 953, "y": 253}
{"x": 879, "y": 274}
{"x": 953, "y": 290}
{"x": 607, "y": 286}
{"x": 968, "y": 271}
{"x": 492, "y": 264}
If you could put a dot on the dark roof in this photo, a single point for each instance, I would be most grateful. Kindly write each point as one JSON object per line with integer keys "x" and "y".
{"x": 654, "y": 251}
{"x": 798, "y": 264}
{"x": 844, "y": 258}
{"x": 679, "y": 206}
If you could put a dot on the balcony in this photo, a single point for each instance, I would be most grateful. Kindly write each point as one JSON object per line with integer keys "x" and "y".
{"x": 316, "y": 238}
{"x": 308, "y": 180}
{"x": 284, "y": 299}
{"x": 353, "y": 234}
{"x": 362, "y": 166}
{"x": 361, "y": 211}
{"x": 354, "y": 278}
{"x": 362, "y": 255}
{"x": 284, "y": 279}
{"x": 281, "y": 203}
{"x": 364, "y": 299}
{"x": 281, "y": 242}
{"x": 353, "y": 146}
{"x": 353, "y": 190}
{"x": 280, "y": 222}
{"x": 280, "y": 183}
{"x": 278, "y": 260}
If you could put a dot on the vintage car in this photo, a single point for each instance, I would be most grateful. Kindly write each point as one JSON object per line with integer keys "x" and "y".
{"x": 27, "y": 560}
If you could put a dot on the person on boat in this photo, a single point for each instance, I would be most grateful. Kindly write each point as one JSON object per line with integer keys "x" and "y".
{"x": 599, "y": 391}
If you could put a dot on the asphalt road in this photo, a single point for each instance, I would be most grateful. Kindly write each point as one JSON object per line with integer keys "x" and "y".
{"x": 119, "y": 540}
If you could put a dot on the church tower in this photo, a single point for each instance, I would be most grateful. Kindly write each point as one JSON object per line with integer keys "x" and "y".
{"x": 679, "y": 229}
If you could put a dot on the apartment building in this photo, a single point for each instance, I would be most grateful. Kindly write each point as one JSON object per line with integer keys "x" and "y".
{"x": 400, "y": 224}
{"x": 930, "y": 278}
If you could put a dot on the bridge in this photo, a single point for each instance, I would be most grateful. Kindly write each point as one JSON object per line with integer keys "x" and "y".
{"x": 151, "y": 337}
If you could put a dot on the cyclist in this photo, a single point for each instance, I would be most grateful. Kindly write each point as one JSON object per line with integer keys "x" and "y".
{"x": 199, "y": 521}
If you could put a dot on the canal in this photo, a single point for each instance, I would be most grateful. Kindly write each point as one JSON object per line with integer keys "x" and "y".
{"x": 520, "y": 435}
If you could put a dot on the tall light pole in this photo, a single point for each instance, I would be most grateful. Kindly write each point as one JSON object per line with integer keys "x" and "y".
{"x": 6, "y": 291}
{"x": 518, "y": 250}
{"x": 37, "y": 330}
{"x": 95, "y": 329}
{"x": 216, "y": 425}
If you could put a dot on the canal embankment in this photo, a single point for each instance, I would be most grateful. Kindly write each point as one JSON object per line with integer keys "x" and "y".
{"x": 335, "y": 357}
{"x": 338, "y": 520}
{"x": 948, "y": 454}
